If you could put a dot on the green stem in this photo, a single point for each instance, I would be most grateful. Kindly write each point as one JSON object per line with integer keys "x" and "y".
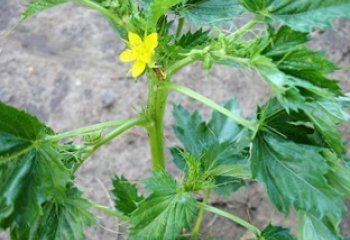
{"x": 243, "y": 30}
{"x": 231, "y": 217}
{"x": 156, "y": 105}
{"x": 109, "y": 211}
{"x": 197, "y": 226}
{"x": 110, "y": 136}
{"x": 180, "y": 27}
{"x": 179, "y": 65}
{"x": 195, "y": 95}
{"x": 86, "y": 130}
{"x": 103, "y": 11}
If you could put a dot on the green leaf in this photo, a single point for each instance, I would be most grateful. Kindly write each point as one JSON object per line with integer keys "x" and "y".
{"x": 31, "y": 169}
{"x": 294, "y": 126}
{"x": 36, "y": 6}
{"x": 311, "y": 227}
{"x": 210, "y": 12}
{"x": 339, "y": 174}
{"x": 286, "y": 48}
{"x": 127, "y": 198}
{"x": 299, "y": 14}
{"x": 326, "y": 115}
{"x": 219, "y": 147}
{"x": 272, "y": 232}
{"x": 165, "y": 212}
{"x": 294, "y": 174}
{"x": 290, "y": 179}
{"x": 191, "y": 40}
{"x": 59, "y": 221}
{"x": 294, "y": 72}
{"x": 156, "y": 8}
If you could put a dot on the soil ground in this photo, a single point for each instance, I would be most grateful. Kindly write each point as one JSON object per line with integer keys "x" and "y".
{"x": 62, "y": 66}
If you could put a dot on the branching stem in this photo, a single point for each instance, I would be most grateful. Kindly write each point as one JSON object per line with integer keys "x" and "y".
{"x": 156, "y": 105}
{"x": 195, "y": 95}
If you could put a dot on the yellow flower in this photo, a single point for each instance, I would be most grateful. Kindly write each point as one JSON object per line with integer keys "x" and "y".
{"x": 141, "y": 52}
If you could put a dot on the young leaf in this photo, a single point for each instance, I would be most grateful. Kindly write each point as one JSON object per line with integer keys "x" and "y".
{"x": 36, "y": 6}
{"x": 127, "y": 198}
{"x": 59, "y": 221}
{"x": 312, "y": 227}
{"x": 218, "y": 147}
{"x": 31, "y": 169}
{"x": 294, "y": 174}
{"x": 210, "y": 12}
{"x": 298, "y": 14}
{"x": 272, "y": 232}
{"x": 165, "y": 212}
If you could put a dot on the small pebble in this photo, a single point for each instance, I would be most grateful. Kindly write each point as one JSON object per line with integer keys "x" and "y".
{"x": 107, "y": 99}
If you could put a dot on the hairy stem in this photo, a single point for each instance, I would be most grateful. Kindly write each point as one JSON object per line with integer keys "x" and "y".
{"x": 231, "y": 217}
{"x": 243, "y": 30}
{"x": 86, "y": 130}
{"x": 109, "y": 211}
{"x": 197, "y": 226}
{"x": 179, "y": 65}
{"x": 103, "y": 11}
{"x": 195, "y": 95}
{"x": 139, "y": 121}
{"x": 156, "y": 105}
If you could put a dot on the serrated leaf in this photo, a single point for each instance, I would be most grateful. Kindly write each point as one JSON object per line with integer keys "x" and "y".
{"x": 326, "y": 115}
{"x": 294, "y": 174}
{"x": 59, "y": 221}
{"x": 30, "y": 167}
{"x": 127, "y": 198}
{"x": 165, "y": 212}
{"x": 191, "y": 40}
{"x": 292, "y": 87}
{"x": 299, "y": 14}
{"x": 311, "y": 227}
{"x": 290, "y": 125}
{"x": 36, "y": 6}
{"x": 218, "y": 147}
{"x": 286, "y": 48}
{"x": 339, "y": 175}
{"x": 272, "y": 232}
{"x": 211, "y": 12}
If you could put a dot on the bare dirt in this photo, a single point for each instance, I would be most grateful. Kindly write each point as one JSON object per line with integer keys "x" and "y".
{"x": 62, "y": 66}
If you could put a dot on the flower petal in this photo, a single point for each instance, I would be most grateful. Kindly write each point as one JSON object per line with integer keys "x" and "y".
{"x": 127, "y": 56}
{"x": 137, "y": 68}
{"x": 134, "y": 39}
{"x": 151, "y": 41}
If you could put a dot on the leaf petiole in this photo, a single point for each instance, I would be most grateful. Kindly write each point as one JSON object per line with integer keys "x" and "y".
{"x": 196, "y": 229}
{"x": 139, "y": 121}
{"x": 87, "y": 130}
{"x": 109, "y": 211}
{"x": 231, "y": 217}
{"x": 195, "y": 95}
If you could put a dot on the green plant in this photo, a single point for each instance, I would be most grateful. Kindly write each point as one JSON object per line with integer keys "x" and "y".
{"x": 291, "y": 145}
